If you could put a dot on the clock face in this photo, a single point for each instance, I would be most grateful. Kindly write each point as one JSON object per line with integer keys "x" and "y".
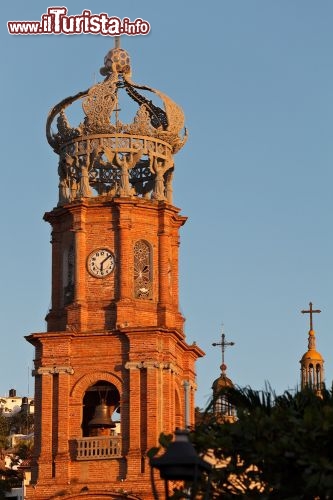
{"x": 100, "y": 263}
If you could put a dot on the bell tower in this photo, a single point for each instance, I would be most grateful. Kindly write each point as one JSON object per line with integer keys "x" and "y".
{"x": 223, "y": 410}
{"x": 312, "y": 362}
{"x": 113, "y": 370}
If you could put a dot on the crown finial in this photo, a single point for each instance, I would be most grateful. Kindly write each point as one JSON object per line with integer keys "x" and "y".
{"x": 103, "y": 156}
{"x": 116, "y": 61}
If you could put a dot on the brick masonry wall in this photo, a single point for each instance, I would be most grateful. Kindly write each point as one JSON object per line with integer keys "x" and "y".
{"x": 106, "y": 334}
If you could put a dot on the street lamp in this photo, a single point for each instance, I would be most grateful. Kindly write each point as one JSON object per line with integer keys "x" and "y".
{"x": 180, "y": 462}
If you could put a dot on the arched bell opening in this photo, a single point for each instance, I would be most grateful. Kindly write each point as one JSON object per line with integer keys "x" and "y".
{"x": 311, "y": 380}
{"x": 223, "y": 407}
{"x": 101, "y": 410}
{"x": 319, "y": 380}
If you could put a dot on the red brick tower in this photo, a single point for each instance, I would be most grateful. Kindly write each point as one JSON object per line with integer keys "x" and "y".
{"x": 114, "y": 347}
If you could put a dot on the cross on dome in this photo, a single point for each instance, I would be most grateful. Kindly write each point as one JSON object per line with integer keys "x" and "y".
{"x": 224, "y": 344}
{"x": 311, "y": 311}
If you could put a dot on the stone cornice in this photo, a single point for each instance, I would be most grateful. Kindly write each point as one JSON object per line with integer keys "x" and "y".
{"x": 139, "y": 365}
{"x": 52, "y": 370}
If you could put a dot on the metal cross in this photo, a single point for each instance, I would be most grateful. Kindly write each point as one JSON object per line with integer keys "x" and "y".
{"x": 311, "y": 311}
{"x": 223, "y": 345}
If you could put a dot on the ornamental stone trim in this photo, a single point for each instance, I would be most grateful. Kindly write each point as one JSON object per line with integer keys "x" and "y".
{"x": 52, "y": 370}
{"x": 138, "y": 365}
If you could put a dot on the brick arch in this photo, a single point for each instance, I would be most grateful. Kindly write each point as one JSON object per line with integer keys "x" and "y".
{"x": 86, "y": 381}
{"x": 101, "y": 496}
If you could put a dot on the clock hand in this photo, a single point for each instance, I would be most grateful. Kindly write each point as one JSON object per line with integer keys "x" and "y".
{"x": 106, "y": 258}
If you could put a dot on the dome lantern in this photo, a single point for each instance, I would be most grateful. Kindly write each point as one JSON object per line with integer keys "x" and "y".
{"x": 312, "y": 362}
{"x": 223, "y": 410}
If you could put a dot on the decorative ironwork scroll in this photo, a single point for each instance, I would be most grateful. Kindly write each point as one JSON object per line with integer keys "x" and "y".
{"x": 143, "y": 282}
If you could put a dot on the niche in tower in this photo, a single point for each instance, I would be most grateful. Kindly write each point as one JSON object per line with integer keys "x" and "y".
{"x": 100, "y": 410}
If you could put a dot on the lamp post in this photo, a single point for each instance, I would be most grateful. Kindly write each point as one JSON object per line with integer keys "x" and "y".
{"x": 180, "y": 462}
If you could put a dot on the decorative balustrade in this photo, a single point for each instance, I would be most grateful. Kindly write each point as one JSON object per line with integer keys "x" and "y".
{"x": 98, "y": 448}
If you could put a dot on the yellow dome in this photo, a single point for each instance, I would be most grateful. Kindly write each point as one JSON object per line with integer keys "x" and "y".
{"x": 312, "y": 354}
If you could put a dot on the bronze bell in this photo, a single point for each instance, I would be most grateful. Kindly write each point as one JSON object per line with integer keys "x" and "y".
{"x": 102, "y": 417}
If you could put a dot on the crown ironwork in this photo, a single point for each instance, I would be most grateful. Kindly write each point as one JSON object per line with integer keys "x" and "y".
{"x": 103, "y": 156}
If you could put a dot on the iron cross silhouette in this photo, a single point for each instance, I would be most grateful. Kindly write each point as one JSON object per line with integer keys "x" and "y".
{"x": 224, "y": 344}
{"x": 311, "y": 311}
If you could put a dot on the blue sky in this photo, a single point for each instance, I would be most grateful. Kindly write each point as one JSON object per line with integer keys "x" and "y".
{"x": 255, "y": 79}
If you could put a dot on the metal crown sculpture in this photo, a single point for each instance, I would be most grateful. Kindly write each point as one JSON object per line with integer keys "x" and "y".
{"x": 105, "y": 157}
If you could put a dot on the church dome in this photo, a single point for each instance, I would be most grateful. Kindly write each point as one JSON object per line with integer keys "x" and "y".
{"x": 312, "y": 354}
{"x": 222, "y": 407}
{"x": 223, "y": 381}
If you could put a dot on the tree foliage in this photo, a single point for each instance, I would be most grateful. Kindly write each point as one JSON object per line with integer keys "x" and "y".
{"x": 281, "y": 444}
{"x": 4, "y": 431}
{"x": 22, "y": 423}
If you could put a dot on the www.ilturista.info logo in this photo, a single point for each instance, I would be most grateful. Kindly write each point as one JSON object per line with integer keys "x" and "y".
{"x": 56, "y": 22}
